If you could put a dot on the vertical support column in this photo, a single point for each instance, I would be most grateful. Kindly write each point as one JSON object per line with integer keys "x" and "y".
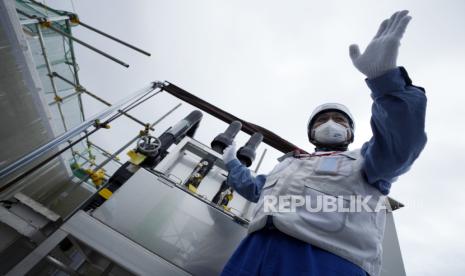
{"x": 52, "y": 81}
{"x": 76, "y": 79}
{"x": 49, "y": 70}
{"x": 75, "y": 73}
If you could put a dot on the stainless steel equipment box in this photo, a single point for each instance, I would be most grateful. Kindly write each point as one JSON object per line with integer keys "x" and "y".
{"x": 170, "y": 221}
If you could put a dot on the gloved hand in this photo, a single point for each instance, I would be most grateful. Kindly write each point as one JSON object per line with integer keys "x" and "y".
{"x": 381, "y": 54}
{"x": 229, "y": 153}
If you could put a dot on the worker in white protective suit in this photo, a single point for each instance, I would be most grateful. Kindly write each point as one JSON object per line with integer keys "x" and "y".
{"x": 288, "y": 233}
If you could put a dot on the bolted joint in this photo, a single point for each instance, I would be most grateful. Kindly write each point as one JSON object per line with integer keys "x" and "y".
{"x": 147, "y": 128}
{"x": 80, "y": 88}
{"x": 157, "y": 84}
{"x": 73, "y": 18}
{"x": 44, "y": 23}
{"x": 98, "y": 124}
{"x": 58, "y": 99}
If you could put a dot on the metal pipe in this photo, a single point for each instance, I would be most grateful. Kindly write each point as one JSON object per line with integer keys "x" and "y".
{"x": 82, "y": 89}
{"x": 64, "y": 98}
{"x": 104, "y": 152}
{"x": 260, "y": 161}
{"x": 75, "y": 70}
{"x": 92, "y": 197}
{"x": 40, "y": 151}
{"x": 97, "y": 31}
{"x": 113, "y": 38}
{"x": 87, "y": 160}
{"x": 49, "y": 70}
{"x": 52, "y": 81}
{"x": 50, "y": 19}
{"x": 44, "y": 21}
{"x": 40, "y": 164}
{"x": 88, "y": 46}
{"x": 142, "y": 100}
{"x": 97, "y": 127}
{"x": 185, "y": 124}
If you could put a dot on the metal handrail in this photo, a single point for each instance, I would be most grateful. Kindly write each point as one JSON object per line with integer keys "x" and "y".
{"x": 40, "y": 151}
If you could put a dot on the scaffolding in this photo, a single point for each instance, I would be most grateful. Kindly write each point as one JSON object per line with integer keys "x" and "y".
{"x": 49, "y": 34}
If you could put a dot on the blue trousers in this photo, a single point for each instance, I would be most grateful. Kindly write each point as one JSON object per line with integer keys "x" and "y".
{"x": 271, "y": 252}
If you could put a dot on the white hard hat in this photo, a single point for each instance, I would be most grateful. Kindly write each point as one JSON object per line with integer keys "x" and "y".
{"x": 331, "y": 107}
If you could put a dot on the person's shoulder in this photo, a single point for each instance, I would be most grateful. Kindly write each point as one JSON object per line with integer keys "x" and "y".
{"x": 353, "y": 154}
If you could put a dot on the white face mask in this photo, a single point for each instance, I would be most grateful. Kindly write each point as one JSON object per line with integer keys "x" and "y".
{"x": 330, "y": 133}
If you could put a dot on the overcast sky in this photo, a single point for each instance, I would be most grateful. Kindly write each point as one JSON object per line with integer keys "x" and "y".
{"x": 272, "y": 62}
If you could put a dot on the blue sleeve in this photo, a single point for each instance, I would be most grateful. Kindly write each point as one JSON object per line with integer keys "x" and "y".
{"x": 240, "y": 179}
{"x": 398, "y": 126}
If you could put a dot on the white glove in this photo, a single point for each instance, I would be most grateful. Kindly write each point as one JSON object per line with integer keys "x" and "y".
{"x": 381, "y": 54}
{"x": 229, "y": 153}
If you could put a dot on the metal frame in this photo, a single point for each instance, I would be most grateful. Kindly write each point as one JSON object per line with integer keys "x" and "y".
{"x": 40, "y": 151}
{"x": 38, "y": 254}
{"x": 177, "y": 225}
{"x": 194, "y": 146}
{"x": 43, "y": 21}
{"x": 106, "y": 161}
{"x": 113, "y": 38}
{"x": 104, "y": 240}
{"x": 81, "y": 89}
{"x": 75, "y": 19}
{"x": 88, "y": 46}
{"x": 50, "y": 19}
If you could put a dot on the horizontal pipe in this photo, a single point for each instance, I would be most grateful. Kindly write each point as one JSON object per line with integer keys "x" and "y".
{"x": 49, "y": 19}
{"x": 82, "y": 89}
{"x": 43, "y": 21}
{"x": 40, "y": 151}
{"x": 114, "y": 38}
{"x": 88, "y": 46}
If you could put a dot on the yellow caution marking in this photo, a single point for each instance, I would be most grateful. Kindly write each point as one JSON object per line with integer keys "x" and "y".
{"x": 192, "y": 188}
{"x": 135, "y": 157}
{"x": 105, "y": 193}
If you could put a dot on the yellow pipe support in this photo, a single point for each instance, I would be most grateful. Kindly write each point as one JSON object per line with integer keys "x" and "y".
{"x": 105, "y": 193}
{"x": 45, "y": 24}
{"x": 97, "y": 177}
{"x": 192, "y": 188}
{"x": 135, "y": 157}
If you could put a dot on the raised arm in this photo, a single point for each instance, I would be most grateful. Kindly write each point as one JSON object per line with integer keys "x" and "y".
{"x": 398, "y": 126}
{"x": 240, "y": 178}
{"x": 398, "y": 110}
